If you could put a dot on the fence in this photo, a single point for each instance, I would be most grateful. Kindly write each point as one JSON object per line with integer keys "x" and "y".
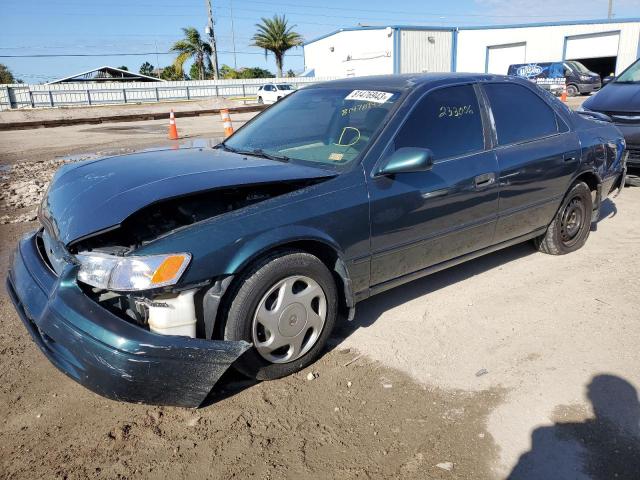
{"x": 88, "y": 94}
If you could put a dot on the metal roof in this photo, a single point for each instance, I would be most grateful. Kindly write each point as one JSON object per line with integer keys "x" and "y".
{"x": 106, "y": 74}
{"x": 405, "y": 80}
{"x": 476, "y": 27}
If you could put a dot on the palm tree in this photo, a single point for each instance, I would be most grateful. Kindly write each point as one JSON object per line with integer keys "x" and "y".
{"x": 274, "y": 35}
{"x": 192, "y": 47}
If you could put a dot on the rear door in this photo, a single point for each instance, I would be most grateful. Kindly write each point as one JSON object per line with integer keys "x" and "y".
{"x": 537, "y": 157}
{"x": 419, "y": 219}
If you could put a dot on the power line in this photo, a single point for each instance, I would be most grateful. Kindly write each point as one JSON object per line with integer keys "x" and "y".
{"x": 124, "y": 54}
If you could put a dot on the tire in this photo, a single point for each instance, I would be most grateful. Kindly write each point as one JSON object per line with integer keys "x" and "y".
{"x": 571, "y": 226}
{"x": 572, "y": 90}
{"x": 260, "y": 100}
{"x": 632, "y": 181}
{"x": 255, "y": 288}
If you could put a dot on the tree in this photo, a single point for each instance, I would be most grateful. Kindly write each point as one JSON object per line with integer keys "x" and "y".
{"x": 291, "y": 73}
{"x": 228, "y": 72}
{"x": 255, "y": 72}
{"x": 275, "y": 36}
{"x": 194, "y": 72}
{"x": 169, "y": 73}
{"x": 5, "y": 75}
{"x": 192, "y": 47}
{"x": 124, "y": 67}
{"x": 147, "y": 69}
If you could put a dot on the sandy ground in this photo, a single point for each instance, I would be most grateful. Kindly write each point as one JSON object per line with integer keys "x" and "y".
{"x": 516, "y": 362}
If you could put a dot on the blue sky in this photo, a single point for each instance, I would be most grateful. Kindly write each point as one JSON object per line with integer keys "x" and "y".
{"x": 41, "y": 27}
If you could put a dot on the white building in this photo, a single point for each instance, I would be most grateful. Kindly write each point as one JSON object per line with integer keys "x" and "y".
{"x": 603, "y": 46}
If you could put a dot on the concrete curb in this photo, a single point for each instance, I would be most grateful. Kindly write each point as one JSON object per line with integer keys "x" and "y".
{"x": 135, "y": 117}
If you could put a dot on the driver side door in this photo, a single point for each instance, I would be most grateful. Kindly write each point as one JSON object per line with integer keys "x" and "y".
{"x": 420, "y": 219}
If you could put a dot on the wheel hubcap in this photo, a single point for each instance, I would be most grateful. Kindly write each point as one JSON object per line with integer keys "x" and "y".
{"x": 289, "y": 319}
{"x": 572, "y": 222}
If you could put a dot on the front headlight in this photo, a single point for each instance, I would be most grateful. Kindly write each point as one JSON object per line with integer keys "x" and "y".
{"x": 111, "y": 272}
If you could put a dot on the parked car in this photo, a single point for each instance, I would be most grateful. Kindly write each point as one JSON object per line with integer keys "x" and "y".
{"x": 154, "y": 272}
{"x": 272, "y": 92}
{"x": 620, "y": 100}
{"x": 553, "y": 75}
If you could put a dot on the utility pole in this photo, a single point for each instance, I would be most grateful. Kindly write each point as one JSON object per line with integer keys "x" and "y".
{"x": 233, "y": 37}
{"x": 610, "y": 15}
{"x": 212, "y": 41}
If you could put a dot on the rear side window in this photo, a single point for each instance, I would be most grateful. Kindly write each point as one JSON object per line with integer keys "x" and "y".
{"x": 447, "y": 121}
{"x": 520, "y": 115}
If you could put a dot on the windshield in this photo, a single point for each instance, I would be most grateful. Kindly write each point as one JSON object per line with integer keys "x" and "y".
{"x": 579, "y": 67}
{"x": 631, "y": 75}
{"x": 284, "y": 87}
{"x": 322, "y": 125}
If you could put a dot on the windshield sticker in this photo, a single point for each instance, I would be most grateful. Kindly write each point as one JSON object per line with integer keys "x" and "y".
{"x": 357, "y": 108}
{"x": 369, "y": 96}
{"x": 454, "y": 111}
{"x": 336, "y": 157}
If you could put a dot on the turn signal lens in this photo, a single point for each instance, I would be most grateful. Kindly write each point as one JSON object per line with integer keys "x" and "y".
{"x": 169, "y": 269}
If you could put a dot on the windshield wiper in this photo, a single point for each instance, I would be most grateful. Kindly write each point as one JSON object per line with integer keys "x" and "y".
{"x": 225, "y": 147}
{"x": 257, "y": 152}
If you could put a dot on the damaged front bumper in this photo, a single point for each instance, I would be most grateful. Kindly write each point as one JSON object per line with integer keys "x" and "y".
{"x": 105, "y": 353}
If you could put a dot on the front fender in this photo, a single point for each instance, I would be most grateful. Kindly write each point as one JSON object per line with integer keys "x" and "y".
{"x": 272, "y": 239}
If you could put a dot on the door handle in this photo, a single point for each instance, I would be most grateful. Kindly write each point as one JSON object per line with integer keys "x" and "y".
{"x": 570, "y": 158}
{"x": 484, "y": 180}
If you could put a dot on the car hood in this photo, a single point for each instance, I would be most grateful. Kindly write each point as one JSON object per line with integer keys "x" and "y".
{"x": 95, "y": 196}
{"x": 615, "y": 97}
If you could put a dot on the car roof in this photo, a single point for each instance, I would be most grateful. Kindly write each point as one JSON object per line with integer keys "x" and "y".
{"x": 409, "y": 80}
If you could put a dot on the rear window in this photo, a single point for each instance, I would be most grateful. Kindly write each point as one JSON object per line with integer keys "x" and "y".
{"x": 519, "y": 114}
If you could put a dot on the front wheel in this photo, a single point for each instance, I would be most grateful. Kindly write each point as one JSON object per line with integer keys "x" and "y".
{"x": 572, "y": 90}
{"x": 570, "y": 227}
{"x": 286, "y": 305}
{"x": 260, "y": 100}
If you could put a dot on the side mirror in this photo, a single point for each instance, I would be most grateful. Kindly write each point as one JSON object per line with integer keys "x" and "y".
{"x": 608, "y": 79}
{"x": 408, "y": 159}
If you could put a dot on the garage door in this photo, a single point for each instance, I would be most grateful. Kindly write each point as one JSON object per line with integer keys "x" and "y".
{"x": 592, "y": 45}
{"x": 499, "y": 57}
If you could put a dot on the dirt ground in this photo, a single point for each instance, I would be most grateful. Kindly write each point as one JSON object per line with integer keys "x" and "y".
{"x": 515, "y": 363}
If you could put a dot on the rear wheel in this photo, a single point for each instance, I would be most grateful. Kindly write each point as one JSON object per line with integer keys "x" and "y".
{"x": 570, "y": 227}
{"x": 286, "y": 305}
{"x": 632, "y": 181}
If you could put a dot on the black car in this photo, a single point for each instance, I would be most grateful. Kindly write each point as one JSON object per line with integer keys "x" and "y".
{"x": 154, "y": 272}
{"x": 620, "y": 100}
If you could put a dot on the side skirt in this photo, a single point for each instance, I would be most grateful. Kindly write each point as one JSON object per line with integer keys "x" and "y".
{"x": 382, "y": 287}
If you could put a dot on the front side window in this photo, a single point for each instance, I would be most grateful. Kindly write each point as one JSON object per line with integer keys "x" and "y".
{"x": 446, "y": 121}
{"x": 519, "y": 114}
{"x": 285, "y": 87}
{"x": 323, "y": 125}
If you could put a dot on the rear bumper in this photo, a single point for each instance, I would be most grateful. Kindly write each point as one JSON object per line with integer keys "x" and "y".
{"x": 105, "y": 353}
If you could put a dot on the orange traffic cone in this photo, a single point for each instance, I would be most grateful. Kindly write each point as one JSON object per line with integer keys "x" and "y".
{"x": 226, "y": 118}
{"x": 563, "y": 97}
{"x": 173, "y": 131}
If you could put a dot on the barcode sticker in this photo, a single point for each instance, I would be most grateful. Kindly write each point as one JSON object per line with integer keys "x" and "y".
{"x": 369, "y": 96}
